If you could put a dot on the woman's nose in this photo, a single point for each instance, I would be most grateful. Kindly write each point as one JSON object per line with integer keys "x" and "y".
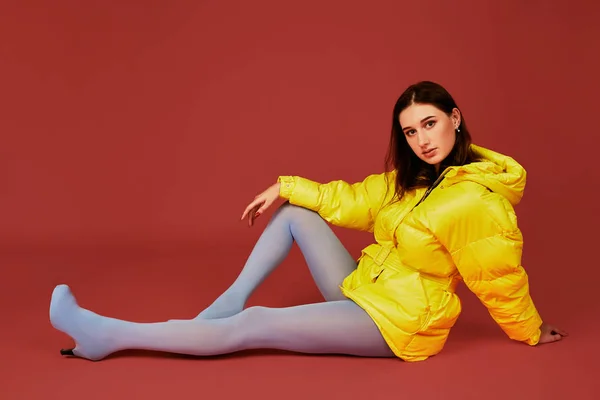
{"x": 423, "y": 139}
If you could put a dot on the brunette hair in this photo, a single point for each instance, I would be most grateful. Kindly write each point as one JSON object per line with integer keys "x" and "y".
{"x": 412, "y": 172}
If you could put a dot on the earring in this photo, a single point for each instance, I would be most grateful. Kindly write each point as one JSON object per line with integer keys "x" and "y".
{"x": 457, "y": 130}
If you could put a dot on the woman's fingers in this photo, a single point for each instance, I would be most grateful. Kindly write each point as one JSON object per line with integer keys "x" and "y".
{"x": 251, "y": 206}
{"x": 559, "y": 331}
{"x": 260, "y": 204}
{"x": 252, "y": 215}
{"x": 556, "y": 337}
{"x": 257, "y": 211}
{"x": 264, "y": 207}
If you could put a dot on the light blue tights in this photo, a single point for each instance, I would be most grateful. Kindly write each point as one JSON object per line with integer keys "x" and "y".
{"x": 337, "y": 325}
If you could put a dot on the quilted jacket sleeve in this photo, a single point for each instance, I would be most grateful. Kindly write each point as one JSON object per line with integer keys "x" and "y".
{"x": 343, "y": 204}
{"x": 486, "y": 246}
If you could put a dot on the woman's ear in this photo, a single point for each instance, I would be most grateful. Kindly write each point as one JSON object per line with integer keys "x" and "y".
{"x": 456, "y": 117}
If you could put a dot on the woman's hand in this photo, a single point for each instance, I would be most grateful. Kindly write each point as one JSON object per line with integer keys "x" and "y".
{"x": 261, "y": 203}
{"x": 551, "y": 334}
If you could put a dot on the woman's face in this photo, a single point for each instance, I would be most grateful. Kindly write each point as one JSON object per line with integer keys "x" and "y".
{"x": 430, "y": 132}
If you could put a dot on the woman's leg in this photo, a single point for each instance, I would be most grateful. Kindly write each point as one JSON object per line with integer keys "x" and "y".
{"x": 339, "y": 327}
{"x": 329, "y": 262}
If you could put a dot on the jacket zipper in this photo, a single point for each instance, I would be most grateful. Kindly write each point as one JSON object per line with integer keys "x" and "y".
{"x": 433, "y": 186}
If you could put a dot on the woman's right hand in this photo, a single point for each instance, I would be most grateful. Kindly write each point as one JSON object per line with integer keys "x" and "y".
{"x": 261, "y": 203}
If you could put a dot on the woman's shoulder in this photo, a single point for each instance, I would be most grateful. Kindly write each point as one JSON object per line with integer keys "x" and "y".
{"x": 465, "y": 212}
{"x": 471, "y": 201}
{"x": 377, "y": 182}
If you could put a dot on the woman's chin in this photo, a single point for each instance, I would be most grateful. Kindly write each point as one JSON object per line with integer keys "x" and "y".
{"x": 434, "y": 158}
{"x": 431, "y": 161}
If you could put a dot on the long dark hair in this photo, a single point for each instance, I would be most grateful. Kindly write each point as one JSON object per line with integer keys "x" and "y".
{"x": 412, "y": 172}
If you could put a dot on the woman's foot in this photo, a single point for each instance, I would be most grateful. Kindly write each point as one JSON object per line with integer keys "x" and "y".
{"x": 86, "y": 328}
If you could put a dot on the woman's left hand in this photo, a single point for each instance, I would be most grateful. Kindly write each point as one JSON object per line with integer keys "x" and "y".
{"x": 551, "y": 334}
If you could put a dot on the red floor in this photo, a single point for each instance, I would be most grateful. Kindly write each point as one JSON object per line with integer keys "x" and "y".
{"x": 143, "y": 285}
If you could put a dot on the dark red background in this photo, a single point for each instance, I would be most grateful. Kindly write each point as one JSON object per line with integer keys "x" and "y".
{"x": 134, "y": 133}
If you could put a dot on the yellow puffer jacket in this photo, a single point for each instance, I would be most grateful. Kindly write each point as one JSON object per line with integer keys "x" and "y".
{"x": 466, "y": 229}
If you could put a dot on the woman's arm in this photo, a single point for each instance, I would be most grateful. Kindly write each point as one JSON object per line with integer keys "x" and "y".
{"x": 484, "y": 240}
{"x": 343, "y": 204}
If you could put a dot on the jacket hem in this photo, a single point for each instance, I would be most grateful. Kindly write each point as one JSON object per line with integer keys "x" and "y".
{"x": 401, "y": 355}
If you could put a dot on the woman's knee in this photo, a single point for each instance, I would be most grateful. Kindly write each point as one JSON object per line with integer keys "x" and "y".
{"x": 293, "y": 213}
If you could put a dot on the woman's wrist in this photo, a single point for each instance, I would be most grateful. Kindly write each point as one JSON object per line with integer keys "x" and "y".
{"x": 285, "y": 186}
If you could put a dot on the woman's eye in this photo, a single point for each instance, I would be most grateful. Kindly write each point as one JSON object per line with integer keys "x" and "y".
{"x": 430, "y": 123}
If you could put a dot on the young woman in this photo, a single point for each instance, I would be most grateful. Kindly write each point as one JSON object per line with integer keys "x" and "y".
{"x": 442, "y": 214}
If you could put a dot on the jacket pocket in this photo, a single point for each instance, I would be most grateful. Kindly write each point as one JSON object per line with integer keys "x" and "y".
{"x": 403, "y": 293}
